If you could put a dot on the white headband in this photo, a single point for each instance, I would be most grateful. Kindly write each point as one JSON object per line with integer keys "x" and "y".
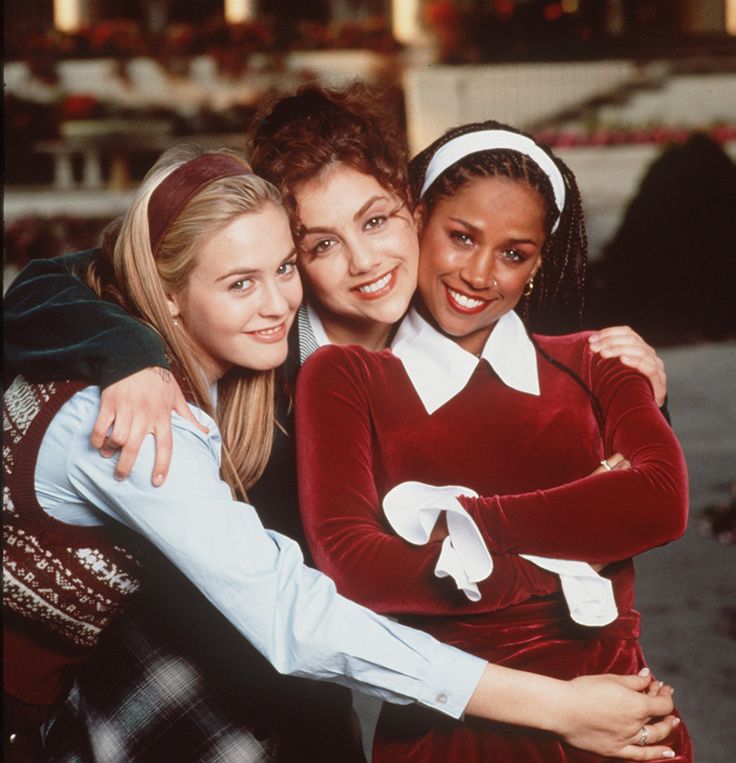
{"x": 485, "y": 140}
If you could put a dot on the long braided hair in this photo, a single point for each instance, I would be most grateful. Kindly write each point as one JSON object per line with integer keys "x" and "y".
{"x": 556, "y": 304}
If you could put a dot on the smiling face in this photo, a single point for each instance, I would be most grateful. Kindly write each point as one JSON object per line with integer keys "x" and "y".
{"x": 479, "y": 249}
{"x": 242, "y": 294}
{"x": 358, "y": 255}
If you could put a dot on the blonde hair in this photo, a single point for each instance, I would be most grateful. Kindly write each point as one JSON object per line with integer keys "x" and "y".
{"x": 130, "y": 275}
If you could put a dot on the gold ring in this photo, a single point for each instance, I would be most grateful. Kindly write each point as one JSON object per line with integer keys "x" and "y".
{"x": 607, "y": 465}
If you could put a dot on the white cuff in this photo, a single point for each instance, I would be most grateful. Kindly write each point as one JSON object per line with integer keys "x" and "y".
{"x": 589, "y": 595}
{"x": 412, "y": 509}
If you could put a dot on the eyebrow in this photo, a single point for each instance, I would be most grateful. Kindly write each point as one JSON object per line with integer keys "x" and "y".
{"x": 245, "y": 273}
{"x": 368, "y": 205}
{"x": 472, "y": 228}
{"x": 356, "y": 216}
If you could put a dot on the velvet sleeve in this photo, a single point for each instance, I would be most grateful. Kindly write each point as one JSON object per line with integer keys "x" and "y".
{"x": 610, "y": 516}
{"x": 57, "y": 328}
{"x": 341, "y": 507}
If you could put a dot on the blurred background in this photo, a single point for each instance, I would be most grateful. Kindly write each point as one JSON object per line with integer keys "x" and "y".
{"x": 637, "y": 96}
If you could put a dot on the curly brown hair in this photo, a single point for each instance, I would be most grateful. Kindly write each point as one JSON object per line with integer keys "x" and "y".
{"x": 556, "y": 304}
{"x": 297, "y": 137}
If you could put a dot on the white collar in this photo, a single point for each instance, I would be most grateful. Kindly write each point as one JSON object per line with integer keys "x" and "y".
{"x": 439, "y": 368}
{"x": 318, "y": 328}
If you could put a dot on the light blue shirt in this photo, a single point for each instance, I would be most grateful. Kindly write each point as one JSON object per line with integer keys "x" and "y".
{"x": 256, "y": 577}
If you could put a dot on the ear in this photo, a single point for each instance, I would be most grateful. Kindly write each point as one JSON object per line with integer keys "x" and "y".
{"x": 537, "y": 266}
{"x": 419, "y": 217}
{"x": 172, "y": 303}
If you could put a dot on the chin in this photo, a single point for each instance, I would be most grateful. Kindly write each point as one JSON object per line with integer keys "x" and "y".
{"x": 392, "y": 311}
{"x": 265, "y": 361}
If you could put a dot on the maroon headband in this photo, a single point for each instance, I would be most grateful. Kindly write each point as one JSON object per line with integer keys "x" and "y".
{"x": 178, "y": 188}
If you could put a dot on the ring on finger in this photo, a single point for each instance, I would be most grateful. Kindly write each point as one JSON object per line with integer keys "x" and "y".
{"x": 605, "y": 464}
{"x": 643, "y": 736}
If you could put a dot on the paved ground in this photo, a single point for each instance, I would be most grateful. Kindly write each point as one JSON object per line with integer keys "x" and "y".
{"x": 687, "y": 590}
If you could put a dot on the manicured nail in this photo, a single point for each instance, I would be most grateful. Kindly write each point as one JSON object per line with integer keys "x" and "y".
{"x": 660, "y": 684}
{"x": 675, "y": 722}
{"x": 668, "y": 754}
{"x": 119, "y": 477}
{"x": 644, "y": 672}
{"x": 158, "y": 480}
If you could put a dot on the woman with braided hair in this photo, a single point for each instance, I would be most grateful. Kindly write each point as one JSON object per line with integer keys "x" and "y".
{"x": 480, "y": 482}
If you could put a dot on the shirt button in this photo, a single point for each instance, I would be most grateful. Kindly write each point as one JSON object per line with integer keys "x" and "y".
{"x": 442, "y": 698}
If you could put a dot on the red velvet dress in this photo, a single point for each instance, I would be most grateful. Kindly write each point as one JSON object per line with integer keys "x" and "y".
{"x": 362, "y": 429}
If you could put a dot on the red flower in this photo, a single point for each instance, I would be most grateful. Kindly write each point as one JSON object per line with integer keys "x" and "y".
{"x": 442, "y": 13}
{"x": 79, "y": 107}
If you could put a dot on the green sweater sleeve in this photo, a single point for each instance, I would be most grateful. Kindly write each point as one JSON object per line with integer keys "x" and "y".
{"x": 57, "y": 328}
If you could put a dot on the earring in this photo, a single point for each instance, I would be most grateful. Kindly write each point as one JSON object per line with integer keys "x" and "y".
{"x": 529, "y": 288}
{"x": 176, "y": 322}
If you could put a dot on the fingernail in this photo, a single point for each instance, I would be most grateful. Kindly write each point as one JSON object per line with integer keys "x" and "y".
{"x": 660, "y": 684}
{"x": 644, "y": 672}
{"x": 676, "y": 722}
{"x": 158, "y": 480}
{"x": 119, "y": 477}
{"x": 668, "y": 754}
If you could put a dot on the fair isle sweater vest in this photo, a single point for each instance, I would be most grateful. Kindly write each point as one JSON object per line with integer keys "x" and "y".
{"x": 62, "y": 584}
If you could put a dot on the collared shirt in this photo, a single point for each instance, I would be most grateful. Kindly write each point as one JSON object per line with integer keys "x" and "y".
{"x": 439, "y": 368}
{"x": 256, "y": 577}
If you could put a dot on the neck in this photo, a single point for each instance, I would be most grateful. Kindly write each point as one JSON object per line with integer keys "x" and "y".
{"x": 211, "y": 372}
{"x": 368, "y": 334}
{"x": 473, "y": 342}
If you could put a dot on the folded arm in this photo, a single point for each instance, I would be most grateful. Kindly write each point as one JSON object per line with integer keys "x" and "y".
{"x": 343, "y": 520}
{"x": 608, "y": 516}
